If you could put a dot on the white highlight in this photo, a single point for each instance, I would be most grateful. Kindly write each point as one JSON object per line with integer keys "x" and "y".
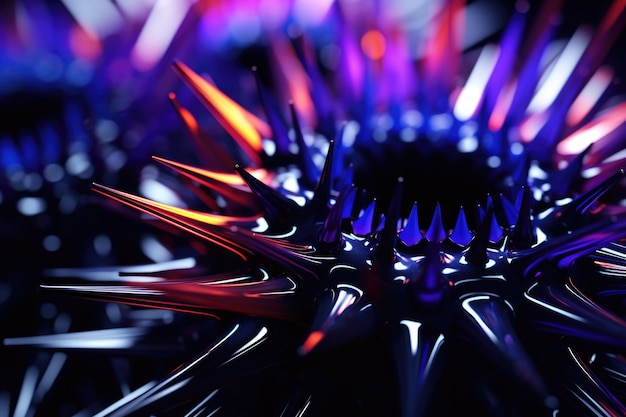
{"x": 472, "y": 93}
{"x": 98, "y": 17}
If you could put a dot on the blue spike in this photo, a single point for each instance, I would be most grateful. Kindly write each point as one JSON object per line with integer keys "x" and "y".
{"x": 348, "y": 206}
{"x": 523, "y": 236}
{"x": 30, "y": 152}
{"x": 509, "y": 210}
{"x": 436, "y": 232}
{"x": 461, "y": 234}
{"x": 9, "y": 157}
{"x": 411, "y": 234}
{"x": 363, "y": 224}
{"x": 495, "y": 231}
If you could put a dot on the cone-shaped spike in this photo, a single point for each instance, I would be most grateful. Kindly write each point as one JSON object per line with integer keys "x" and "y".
{"x": 330, "y": 234}
{"x": 565, "y": 310}
{"x": 436, "y": 232}
{"x": 418, "y": 353}
{"x": 364, "y": 223}
{"x": 389, "y": 234}
{"x": 461, "y": 234}
{"x": 523, "y": 236}
{"x": 428, "y": 288}
{"x": 229, "y": 114}
{"x": 319, "y": 202}
{"x": 495, "y": 231}
{"x": 411, "y": 234}
{"x": 477, "y": 252}
{"x": 509, "y": 210}
{"x": 341, "y": 314}
{"x": 278, "y": 207}
{"x": 211, "y": 151}
{"x": 230, "y": 186}
{"x": 572, "y": 215}
{"x": 310, "y": 171}
{"x": 581, "y": 383}
{"x": 493, "y": 333}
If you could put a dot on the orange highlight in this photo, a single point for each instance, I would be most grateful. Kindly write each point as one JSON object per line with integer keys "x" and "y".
{"x": 311, "y": 341}
{"x": 373, "y": 45}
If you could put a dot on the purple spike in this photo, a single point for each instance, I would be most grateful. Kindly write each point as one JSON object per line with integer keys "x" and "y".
{"x": 411, "y": 234}
{"x": 310, "y": 172}
{"x": 461, "y": 234}
{"x": 363, "y": 225}
{"x": 509, "y": 210}
{"x": 436, "y": 232}
{"x": 566, "y": 311}
{"x": 523, "y": 235}
{"x": 509, "y": 48}
{"x": 418, "y": 354}
{"x": 493, "y": 333}
{"x": 277, "y": 205}
{"x": 330, "y": 234}
{"x": 341, "y": 314}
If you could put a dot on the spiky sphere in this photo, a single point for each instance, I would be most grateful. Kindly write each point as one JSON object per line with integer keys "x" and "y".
{"x": 426, "y": 259}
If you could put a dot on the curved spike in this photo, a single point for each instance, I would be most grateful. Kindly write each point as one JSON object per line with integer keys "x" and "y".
{"x": 582, "y": 384}
{"x": 364, "y": 224}
{"x": 411, "y": 234}
{"x": 565, "y": 310}
{"x": 493, "y": 333}
{"x": 476, "y": 253}
{"x": 428, "y": 287}
{"x": 277, "y": 206}
{"x": 330, "y": 234}
{"x": 523, "y": 235}
{"x": 319, "y": 202}
{"x": 461, "y": 234}
{"x": 389, "y": 233}
{"x": 418, "y": 353}
{"x": 229, "y": 114}
{"x": 571, "y": 215}
{"x": 341, "y": 314}
{"x": 436, "y": 232}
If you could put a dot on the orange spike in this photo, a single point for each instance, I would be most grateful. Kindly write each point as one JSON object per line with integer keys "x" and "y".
{"x": 239, "y": 123}
{"x": 183, "y": 219}
{"x": 230, "y": 179}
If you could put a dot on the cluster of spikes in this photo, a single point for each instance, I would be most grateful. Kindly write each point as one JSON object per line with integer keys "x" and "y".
{"x": 321, "y": 301}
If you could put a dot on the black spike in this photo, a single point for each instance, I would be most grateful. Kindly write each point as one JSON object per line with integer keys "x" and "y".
{"x": 389, "y": 234}
{"x": 523, "y": 235}
{"x": 319, "y": 202}
{"x": 281, "y": 138}
{"x": 572, "y": 215}
{"x": 278, "y": 207}
{"x": 477, "y": 252}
